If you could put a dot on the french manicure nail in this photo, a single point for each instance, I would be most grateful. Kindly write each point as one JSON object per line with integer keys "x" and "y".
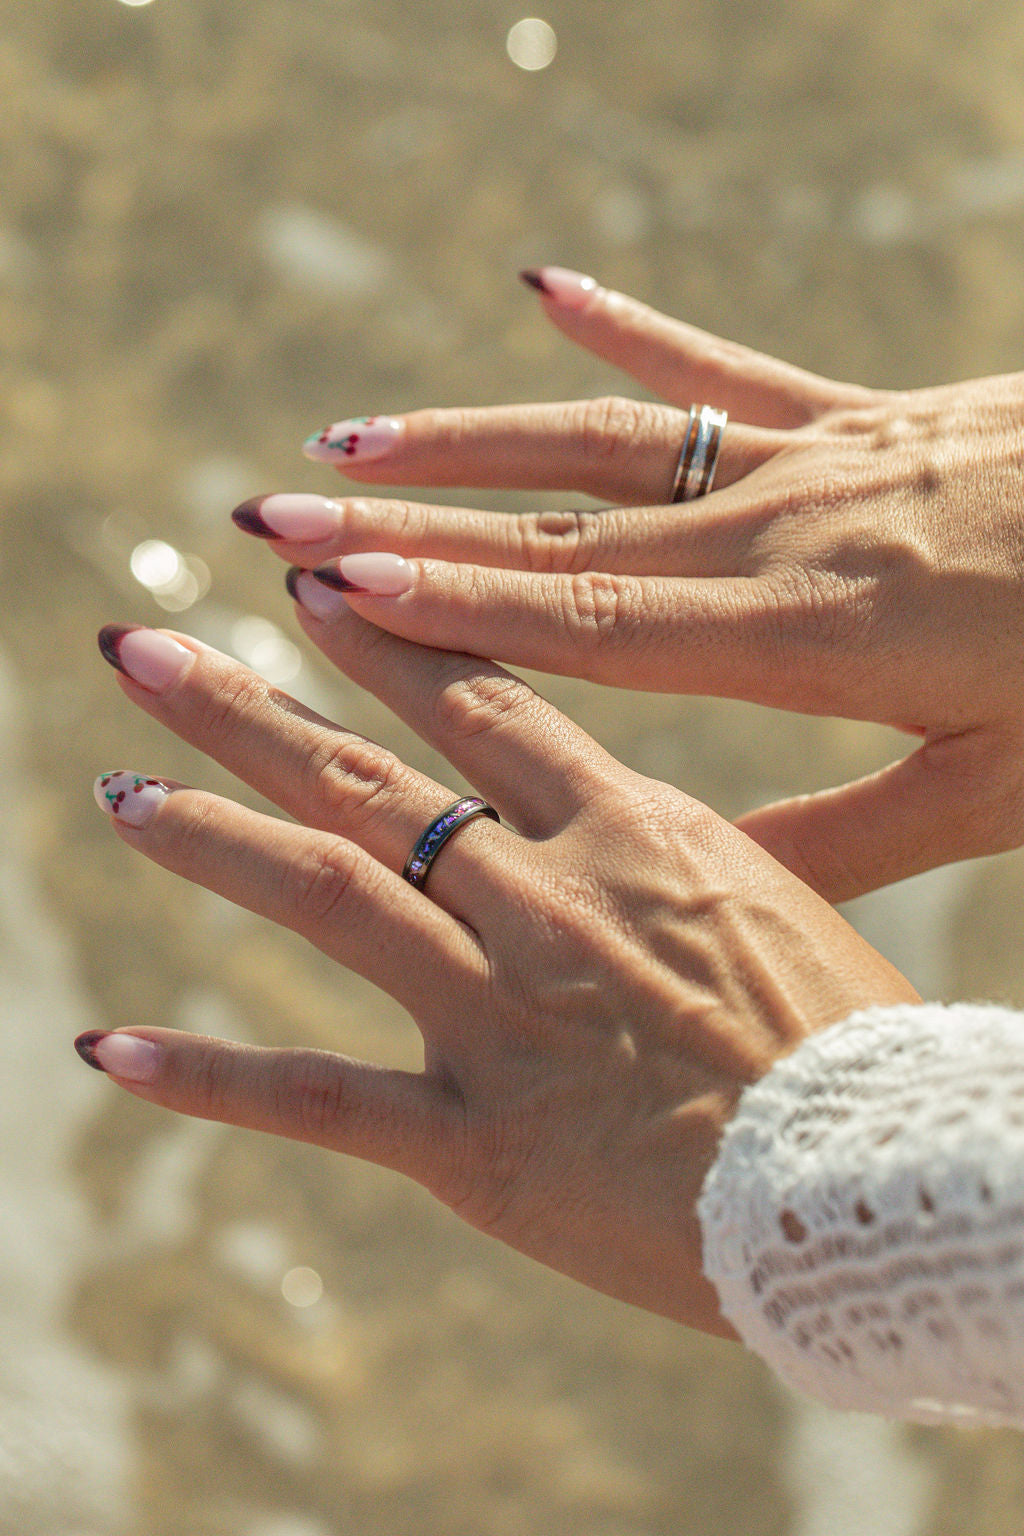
{"x": 126, "y": 1056}
{"x": 376, "y": 575}
{"x": 130, "y": 797}
{"x": 289, "y": 516}
{"x": 358, "y": 437}
{"x": 145, "y": 655}
{"x": 318, "y": 600}
{"x": 571, "y": 289}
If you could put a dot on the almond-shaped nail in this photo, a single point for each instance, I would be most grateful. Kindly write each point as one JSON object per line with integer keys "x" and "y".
{"x": 130, "y": 797}
{"x": 286, "y": 515}
{"x": 570, "y": 289}
{"x": 127, "y": 1056}
{"x": 145, "y": 655}
{"x": 362, "y": 438}
{"x": 375, "y": 575}
{"x": 318, "y": 600}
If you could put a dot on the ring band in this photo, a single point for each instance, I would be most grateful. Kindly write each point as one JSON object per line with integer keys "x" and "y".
{"x": 429, "y": 844}
{"x": 698, "y": 460}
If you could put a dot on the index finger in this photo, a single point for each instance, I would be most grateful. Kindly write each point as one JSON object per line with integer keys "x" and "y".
{"x": 682, "y": 363}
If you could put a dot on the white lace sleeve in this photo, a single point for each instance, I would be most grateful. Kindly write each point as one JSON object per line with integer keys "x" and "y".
{"x": 864, "y": 1219}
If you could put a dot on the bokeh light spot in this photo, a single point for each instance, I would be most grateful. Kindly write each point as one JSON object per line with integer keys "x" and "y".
{"x": 532, "y": 43}
{"x": 302, "y": 1287}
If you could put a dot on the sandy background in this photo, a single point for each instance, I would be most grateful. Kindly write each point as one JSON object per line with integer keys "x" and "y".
{"x": 222, "y": 223}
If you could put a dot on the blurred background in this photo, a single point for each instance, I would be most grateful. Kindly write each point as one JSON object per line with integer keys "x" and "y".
{"x": 223, "y": 223}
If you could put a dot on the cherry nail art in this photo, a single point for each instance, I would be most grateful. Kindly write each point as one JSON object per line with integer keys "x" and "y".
{"x": 130, "y": 797}
{"x": 358, "y": 437}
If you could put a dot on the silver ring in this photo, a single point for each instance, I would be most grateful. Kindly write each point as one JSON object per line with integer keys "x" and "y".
{"x": 698, "y": 460}
{"x": 430, "y": 842}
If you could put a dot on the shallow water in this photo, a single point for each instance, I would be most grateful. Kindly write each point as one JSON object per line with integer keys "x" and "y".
{"x": 220, "y": 225}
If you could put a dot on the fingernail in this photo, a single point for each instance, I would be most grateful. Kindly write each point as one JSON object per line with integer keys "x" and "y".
{"x": 359, "y": 437}
{"x": 130, "y": 797}
{"x": 377, "y": 575}
{"x": 309, "y": 594}
{"x": 145, "y": 655}
{"x": 286, "y": 516}
{"x": 125, "y": 1056}
{"x": 572, "y": 289}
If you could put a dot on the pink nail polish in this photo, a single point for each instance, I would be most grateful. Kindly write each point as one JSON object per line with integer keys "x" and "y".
{"x": 376, "y": 575}
{"x": 129, "y": 797}
{"x": 362, "y": 438}
{"x": 289, "y": 516}
{"x": 318, "y": 600}
{"x": 127, "y": 1056}
{"x": 145, "y": 655}
{"x": 572, "y": 290}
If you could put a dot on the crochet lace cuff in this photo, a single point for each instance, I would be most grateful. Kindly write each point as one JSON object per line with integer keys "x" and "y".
{"x": 864, "y": 1219}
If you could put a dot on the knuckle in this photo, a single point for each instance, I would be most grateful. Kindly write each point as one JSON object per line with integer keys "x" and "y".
{"x": 352, "y": 776}
{"x": 558, "y": 541}
{"x": 315, "y": 1102}
{"x": 596, "y": 605}
{"x": 990, "y": 788}
{"x": 609, "y": 428}
{"x": 472, "y": 705}
{"x": 237, "y": 698}
{"x": 316, "y": 884}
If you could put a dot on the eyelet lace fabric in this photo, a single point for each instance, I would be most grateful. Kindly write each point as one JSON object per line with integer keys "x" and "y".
{"x": 864, "y": 1219}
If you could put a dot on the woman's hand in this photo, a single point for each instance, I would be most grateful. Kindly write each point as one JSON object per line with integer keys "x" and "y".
{"x": 594, "y": 989}
{"x": 862, "y": 555}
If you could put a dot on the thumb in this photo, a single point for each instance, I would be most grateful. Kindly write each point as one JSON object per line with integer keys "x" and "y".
{"x": 948, "y": 800}
{"x": 400, "y": 1120}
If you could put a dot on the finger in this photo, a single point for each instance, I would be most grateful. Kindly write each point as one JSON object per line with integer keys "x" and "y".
{"x": 710, "y": 536}
{"x": 952, "y": 799}
{"x": 328, "y": 890}
{"x": 654, "y": 632}
{"x": 397, "y": 1119}
{"x": 537, "y": 767}
{"x": 615, "y": 448}
{"x": 680, "y": 362}
{"x": 327, "y": 777}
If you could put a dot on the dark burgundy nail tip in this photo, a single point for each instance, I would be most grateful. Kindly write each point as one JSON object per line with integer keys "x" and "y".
{"x": 291, "y": 581}
{"x": 331, "y": 577}
{"x": 109, "y": 641}
{"x": 250, "y": 519}
{"x": 533, "y": 279}
{"x": 86, "y": 1045}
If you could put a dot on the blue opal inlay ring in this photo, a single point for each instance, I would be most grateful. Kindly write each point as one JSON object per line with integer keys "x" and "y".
{"x": 429, "y": 845}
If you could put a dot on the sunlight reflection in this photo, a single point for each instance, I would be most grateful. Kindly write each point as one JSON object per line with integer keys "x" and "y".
{"x": 302, "y": 1287}
{"x": 262, "y": 646}
{"x": 532, "y": 43}
{"x": 175, "y": 580}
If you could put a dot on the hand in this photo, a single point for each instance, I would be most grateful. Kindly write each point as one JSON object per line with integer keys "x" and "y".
{"x": 593, "y": 991}
{"x": 861, "y": 555}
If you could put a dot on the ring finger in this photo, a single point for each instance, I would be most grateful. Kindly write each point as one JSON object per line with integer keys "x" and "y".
{"x": 327, "y": 777}
{"x": 615, "y": 448}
